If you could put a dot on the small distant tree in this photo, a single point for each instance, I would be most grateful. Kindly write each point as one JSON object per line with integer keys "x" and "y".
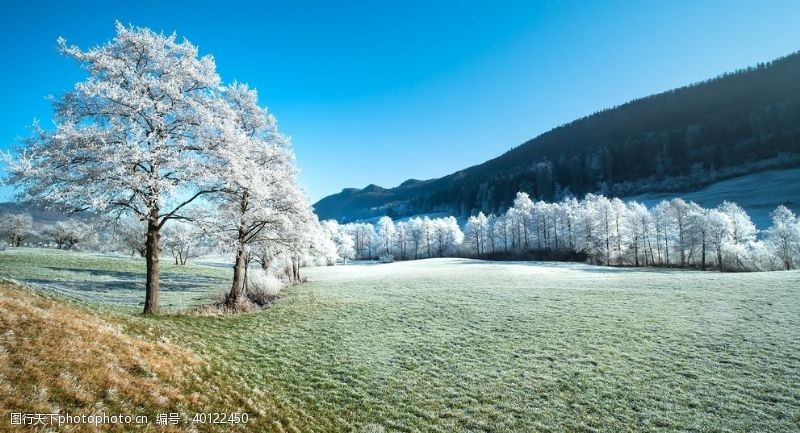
{"x": 183, "y": 241}
{"x": 345, "y": 247}
{"x": 386, "y": 233}
{"x": 416, "y": 231}
{"x": 67, "y": 234}
{"x": 679, "y": 212}
{"x": 476, "y": 233}
{"x": 130, "y": 234}
{"x": 718, "y": 228}
{"x": 447, "y": 235}
{"x": 17, "y": 227}
{"x": 402, "y": 238}
{"x": 783, "y": 237}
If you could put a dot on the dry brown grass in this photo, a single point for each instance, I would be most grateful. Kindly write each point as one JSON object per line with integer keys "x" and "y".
{"x": 57, "y": 356}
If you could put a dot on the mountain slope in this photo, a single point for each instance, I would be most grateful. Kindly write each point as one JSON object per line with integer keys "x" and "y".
{"x": 683, "y": 139}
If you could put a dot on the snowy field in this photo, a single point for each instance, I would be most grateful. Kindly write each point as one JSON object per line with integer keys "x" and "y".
{"x": 462, "y": 345}
{"x": 444, "y": 345}
{"x": 759, "y": 194}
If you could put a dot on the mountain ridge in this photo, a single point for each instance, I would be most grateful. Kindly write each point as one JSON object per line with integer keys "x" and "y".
{"x": 734, "y": 124}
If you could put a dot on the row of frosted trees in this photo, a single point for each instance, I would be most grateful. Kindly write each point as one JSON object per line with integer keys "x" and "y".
{"x": 597, "y": 229}
{"x": 415, "y": 238}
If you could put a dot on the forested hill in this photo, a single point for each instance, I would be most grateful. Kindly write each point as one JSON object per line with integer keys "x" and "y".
{"x": 678, "y": 140}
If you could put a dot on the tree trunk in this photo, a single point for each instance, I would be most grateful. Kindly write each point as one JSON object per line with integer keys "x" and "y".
{"x": 296, "y": 269}
{"x": 153, "y": 269}
{"x": 235, "y": 296}
{"x": 703, "y": 255}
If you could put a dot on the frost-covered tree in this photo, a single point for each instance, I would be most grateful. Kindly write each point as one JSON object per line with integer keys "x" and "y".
{"x": 447, "y": 235}
{"x": 132, "y": 138}
{"x": 502, "y": 232}
{"x": 403, "y": 238}
{"x": 718, "y": 228}
{"x": 679, "y": 211}
{"x": 571, "y": 209}
{"x": 16, "y": 227}
{"x": 783, "y": 237}
{"x": 428, "y": 235}
{"x": 183, "y": 240}
{"x": 638, "y": 223}
{"x": 522, "y": 216}
{"x": 322, "y": 249}
{"x": 476, "y": 232}
{"x": 67, "y": 234}
{"x": 662, "y": 224}
{"x": 742, "y": 228}
{"x": 386, "y": 233}
{"x": 364, "y": 238}
{"x": 265, "y": 251}
{"x": 492, "y": 234}
{"x": 742, "y": 234}
{"x": 345, "y": 247}
{"x": 620, "y": 233}
{"x": 305, "y": 241}
{"x": 598, "y": 219}
{"x": 130, "y": 234}
{"x": 257, "y": 191}
{"x": 417, "y": 233}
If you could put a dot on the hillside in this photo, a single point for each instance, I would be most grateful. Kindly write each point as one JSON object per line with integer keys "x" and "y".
{"x": 676, "y": 141}
{"x": 746, "y": 191}
{"x": 38, "y": 213}
{"x": 55, "y": 354}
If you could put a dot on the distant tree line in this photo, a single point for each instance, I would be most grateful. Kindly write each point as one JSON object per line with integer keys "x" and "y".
{"x": 597, "y": 229}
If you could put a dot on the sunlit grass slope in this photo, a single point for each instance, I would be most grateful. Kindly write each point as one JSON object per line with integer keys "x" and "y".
{"x": 56, "y": 356}
{"x": 459, "y": 345}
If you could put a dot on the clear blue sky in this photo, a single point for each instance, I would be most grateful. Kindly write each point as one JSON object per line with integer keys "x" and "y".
{"x": 382, "y": 91}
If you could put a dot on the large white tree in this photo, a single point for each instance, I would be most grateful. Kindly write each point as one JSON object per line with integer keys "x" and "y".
{"x": 132, "y": 138}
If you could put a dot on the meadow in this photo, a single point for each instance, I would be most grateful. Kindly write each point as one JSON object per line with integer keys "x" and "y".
{"x": 448, "y": 345}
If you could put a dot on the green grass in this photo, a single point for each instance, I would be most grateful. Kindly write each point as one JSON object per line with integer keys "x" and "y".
{"x": 458, "y": 345}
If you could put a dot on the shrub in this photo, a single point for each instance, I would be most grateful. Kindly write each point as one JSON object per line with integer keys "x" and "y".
{"x": 262, "y": 288}
{"x": 386, "y": 258}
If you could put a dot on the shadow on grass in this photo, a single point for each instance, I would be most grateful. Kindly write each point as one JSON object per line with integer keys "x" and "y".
{"x": 125, "y": 287}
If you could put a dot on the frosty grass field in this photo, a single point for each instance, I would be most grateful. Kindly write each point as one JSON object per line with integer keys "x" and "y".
{"x": 450, "y": 345}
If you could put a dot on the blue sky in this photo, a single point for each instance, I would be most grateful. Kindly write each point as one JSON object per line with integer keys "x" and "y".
{"x": 382, "y": 91}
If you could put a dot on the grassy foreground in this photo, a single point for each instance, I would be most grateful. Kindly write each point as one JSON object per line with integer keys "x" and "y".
{"x": 459, "y": 345}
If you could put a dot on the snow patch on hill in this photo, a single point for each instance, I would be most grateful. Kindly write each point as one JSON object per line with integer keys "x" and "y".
{"x": 759, "y": 194}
